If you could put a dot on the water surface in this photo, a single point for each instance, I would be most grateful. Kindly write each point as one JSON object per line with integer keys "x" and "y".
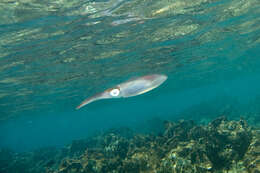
{"x": 54, "y": 54}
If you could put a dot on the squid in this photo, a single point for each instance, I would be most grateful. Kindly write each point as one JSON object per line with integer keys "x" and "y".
{"x": 129, "y": 88}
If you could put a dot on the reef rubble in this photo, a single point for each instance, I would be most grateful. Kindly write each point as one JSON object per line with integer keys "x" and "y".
{"x": 183, "y": 146}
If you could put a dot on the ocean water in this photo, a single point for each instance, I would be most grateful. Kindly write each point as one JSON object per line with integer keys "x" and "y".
{"x": 54, "y": 54}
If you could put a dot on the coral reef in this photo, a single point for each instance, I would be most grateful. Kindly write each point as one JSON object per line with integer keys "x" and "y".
{"x": 183, "y": 146}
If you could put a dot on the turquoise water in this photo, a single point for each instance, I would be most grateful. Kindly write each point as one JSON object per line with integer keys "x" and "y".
{"x": 54, "y": 54}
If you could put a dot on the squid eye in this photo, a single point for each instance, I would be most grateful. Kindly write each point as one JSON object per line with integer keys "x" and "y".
{"x": 114, "y": 92}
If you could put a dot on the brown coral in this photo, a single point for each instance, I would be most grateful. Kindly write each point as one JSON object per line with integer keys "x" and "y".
{"x": 220, "y": 146}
